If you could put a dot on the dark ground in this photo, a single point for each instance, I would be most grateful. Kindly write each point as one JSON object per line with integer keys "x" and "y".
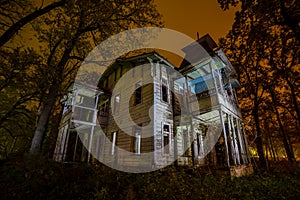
{"x": 39, "y": 178}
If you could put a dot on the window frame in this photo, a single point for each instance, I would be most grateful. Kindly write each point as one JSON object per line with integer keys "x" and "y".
{"x": 136, "y": 140}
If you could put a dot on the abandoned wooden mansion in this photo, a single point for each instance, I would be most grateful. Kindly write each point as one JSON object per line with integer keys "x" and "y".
{"x": 145, "y": 113}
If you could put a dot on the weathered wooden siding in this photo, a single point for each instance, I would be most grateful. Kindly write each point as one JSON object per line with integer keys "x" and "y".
{"x": 138, "y": 113}
{"x": 163, "y": 112}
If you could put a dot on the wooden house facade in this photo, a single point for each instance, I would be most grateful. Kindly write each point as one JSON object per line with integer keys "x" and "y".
{"x": 144, "y": 115}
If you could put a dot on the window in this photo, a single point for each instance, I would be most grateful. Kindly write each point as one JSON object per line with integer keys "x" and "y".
{"x": 113, "y": 142}
{"x": 166, "y": 138}
{"x": 164, "y": 90}
{"x": 117, "y": 104}
{"x": 136, "y": 140}
{"x": 138, "y": 93}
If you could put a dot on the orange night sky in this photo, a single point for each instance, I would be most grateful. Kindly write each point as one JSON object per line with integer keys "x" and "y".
{"x": 192, "y": 16}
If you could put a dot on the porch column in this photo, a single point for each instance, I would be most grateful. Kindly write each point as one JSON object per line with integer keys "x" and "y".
{"x": 241, "y": 141}
{"x": 231, "y": 139}
{"x": 246, "y": 144}
{"x": 236, "y": 141}
{"x": 75, "y": 148}
{"x": 66, "y": 144}
{"x": 90, "y": 144}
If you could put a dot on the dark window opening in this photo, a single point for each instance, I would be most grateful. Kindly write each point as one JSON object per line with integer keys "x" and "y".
{"x": 138, "y": 93}
{"x": 166, "y": 143}
{"x": 221, "y": 151}
{"x": 166, "y": 128}
{"x": 164, "y": 91}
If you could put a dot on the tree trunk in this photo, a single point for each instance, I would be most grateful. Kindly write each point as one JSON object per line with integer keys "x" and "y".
{"x": 37, "y": 140}
{"x": 270, "y": 141}
{"x": 258, "y": 141}
{"x": 51, "y": 142}
{"x": 289, "y": 21}
{"x": 267, "y": 146}
{"x": 287, "y": 147}
{"x": 294, "y": 99}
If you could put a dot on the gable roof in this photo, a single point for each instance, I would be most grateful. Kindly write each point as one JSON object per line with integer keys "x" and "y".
{"x": 136, "y": 60}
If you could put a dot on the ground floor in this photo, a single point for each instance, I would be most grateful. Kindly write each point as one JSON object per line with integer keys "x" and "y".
{"x": 219, "y": 142}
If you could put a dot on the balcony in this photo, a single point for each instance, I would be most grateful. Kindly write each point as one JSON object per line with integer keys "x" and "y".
{"x": 84, "y": 115}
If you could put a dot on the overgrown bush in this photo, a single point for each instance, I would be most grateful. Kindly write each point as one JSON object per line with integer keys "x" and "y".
{"x": 38, "y": 178}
